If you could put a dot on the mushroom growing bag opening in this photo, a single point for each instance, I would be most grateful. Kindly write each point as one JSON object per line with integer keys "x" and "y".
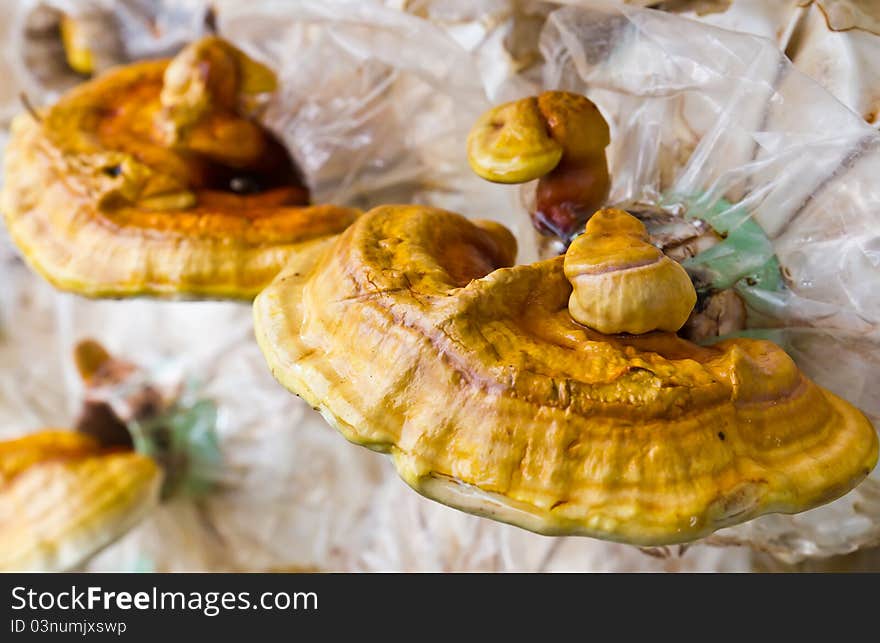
{"x": 719, "y": 126}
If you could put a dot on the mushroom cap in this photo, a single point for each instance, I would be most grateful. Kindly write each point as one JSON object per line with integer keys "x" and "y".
{"x": 527, "y": 138}
{"x": 623, "y": 284}
{"x": 121, "y": 189}
{"x": 556, "y": 137}
{"x": 412, "y": 336}
{"x": 63, "y": 498}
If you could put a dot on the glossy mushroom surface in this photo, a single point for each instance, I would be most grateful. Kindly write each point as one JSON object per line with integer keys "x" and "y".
{"x": 556, "y": 137}
{"x": 414, "y": 335}
{"x": 621, "y": 282}
{"x": 157, "y": 179}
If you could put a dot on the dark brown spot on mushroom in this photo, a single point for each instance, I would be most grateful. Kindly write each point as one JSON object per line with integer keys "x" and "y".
{"x": 244, "y": 185}
{"x": 98, "y": 420}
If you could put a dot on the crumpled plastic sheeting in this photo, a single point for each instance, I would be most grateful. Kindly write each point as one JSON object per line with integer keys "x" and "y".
{"x": 500, "y": 35}
{"x": 288, "y": 494}
{"x": 375, "y": 104}
{"x": 33, "y": 61}
{"x": 843, "y": 61}
{"x": 405, "y": 531}
{"x": 700, "y": 114}
{"x": 835, "y": 42}
{"x": 31, "y": 393}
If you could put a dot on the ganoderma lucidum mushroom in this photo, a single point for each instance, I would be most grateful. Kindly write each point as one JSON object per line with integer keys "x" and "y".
{"x": 414, "y": 335}
{"x": 622, "y": 283}
{"x": 558, "y": 138}
{"x": 64, "y": 496}
{"x": 156, "y": 179}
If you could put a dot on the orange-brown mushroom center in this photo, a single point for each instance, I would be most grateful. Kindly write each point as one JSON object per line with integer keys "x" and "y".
{"x": 228, "y": 160}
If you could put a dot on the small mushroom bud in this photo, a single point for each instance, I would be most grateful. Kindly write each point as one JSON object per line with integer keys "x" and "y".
{"x": 510, "y": 143}
{"x": 566, "y": 198}
{"x": 557, "y": 137}
{"x": 623, "y": 284}
{"x": 90, "y": 358}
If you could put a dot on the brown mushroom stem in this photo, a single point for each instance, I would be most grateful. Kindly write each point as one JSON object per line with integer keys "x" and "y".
{"x": 568, "y": 195}
{"x": 579, "y": 185}
{"x": 123, "y": 410}
{"x": 108, "y": 403}
{"x": 716, "y": 314}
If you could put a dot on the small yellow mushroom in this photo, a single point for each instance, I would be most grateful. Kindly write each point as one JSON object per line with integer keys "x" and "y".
{"x": 557, "y": 137}
{"x": 75, "y": 40}
{"x": 623, "y": 284}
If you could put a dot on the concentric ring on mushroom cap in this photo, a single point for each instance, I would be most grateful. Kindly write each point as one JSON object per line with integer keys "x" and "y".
{"x": 103, "y": 201}
{"x": 63, "y": 498}
{"x": 412, "y": 337}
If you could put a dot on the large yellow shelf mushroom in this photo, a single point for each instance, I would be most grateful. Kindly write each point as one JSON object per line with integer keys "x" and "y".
{"x": 414, "y": 335}
{"x": 156, "y": 179}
